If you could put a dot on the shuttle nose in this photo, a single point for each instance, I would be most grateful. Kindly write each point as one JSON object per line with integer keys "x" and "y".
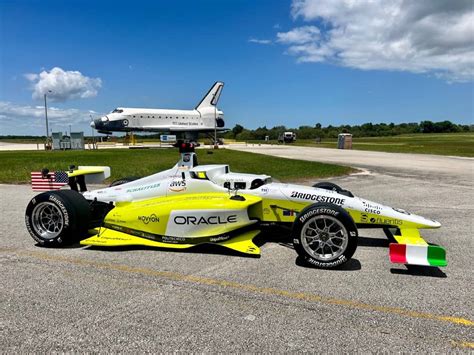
{"x": 98, "y": 123}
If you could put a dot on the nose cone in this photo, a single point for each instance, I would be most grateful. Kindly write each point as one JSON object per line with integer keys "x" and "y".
{"x": 98, "y": 123}
{"x": 434, "y": 224}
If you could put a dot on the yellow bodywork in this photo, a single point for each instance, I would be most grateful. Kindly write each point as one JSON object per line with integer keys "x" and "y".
{"x": 148, "y": 223}
{"x": 111, "y": 238}
{"x": 409, "y": 236}
{"x": 79, "y": 172}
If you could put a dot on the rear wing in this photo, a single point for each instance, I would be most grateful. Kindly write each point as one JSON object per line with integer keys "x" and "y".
{"x": 77, "y": 179}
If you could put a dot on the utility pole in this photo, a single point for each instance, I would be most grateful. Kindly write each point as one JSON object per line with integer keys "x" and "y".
{"x": 46, "y": 115}
{"x": 46, "y": 146}
{"x": 215, "y": 127}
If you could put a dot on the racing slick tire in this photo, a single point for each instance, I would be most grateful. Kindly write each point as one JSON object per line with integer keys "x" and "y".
{"x": 57, "y": 218}
{"x": 333, "y": 187}
{"x": 123, "y": 180}
{"x": 324, "y": 235}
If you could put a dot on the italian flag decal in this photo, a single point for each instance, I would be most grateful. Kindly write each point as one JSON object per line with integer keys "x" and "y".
{"x": 429, "y": 255}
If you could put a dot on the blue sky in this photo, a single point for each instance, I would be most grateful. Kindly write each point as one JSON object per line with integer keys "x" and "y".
{"x": 287, "y": 63}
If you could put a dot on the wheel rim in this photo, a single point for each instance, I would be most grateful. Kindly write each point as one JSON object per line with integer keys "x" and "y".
{"x": 47, "y": 220}
{"x": 324, "y": 238}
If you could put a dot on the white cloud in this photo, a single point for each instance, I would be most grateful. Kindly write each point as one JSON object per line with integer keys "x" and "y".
{"x": 61, "y": 85}
{"x": 34, "y": 115}
{"x": 260, "y": 41}
{"x": 299, "y": 35}
{"x": 434, "y": 37}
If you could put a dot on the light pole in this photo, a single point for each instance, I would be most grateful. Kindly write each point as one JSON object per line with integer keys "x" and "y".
{"x": 215, "y": 127}
{"x": 46, "y": 116}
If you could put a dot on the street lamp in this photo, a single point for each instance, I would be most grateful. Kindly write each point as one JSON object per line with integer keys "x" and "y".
{"x": 215, "y": 127}
{"x": 46, "y": 116}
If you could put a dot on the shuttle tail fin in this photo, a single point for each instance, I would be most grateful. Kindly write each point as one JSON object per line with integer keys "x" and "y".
{"x": 212, "y": 96}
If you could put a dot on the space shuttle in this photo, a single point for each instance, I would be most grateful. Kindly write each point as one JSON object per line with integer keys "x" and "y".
{"x": 204, "y": 118}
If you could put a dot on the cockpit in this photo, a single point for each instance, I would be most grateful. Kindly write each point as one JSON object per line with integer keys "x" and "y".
{"x": 220, "y": 175}
{"x": 117, "y": 110}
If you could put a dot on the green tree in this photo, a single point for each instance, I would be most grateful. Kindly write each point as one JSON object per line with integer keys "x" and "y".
{"x": 237, "y": 129}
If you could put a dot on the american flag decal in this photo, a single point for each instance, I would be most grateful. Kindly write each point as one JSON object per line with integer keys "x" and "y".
{"x": 288, "y": 213}
{"x": 53, "y": 180}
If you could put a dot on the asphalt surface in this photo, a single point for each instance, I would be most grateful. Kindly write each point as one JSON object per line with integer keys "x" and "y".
{"x": 96, "y": 300}
{"x": 424, "y": 166}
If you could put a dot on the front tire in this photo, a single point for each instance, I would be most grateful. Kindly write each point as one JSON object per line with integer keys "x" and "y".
{"x": 324, "y": 235}
{"x": 57, "y": 218}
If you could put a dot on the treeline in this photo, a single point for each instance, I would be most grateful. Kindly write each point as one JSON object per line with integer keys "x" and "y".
{"x": 364, "y": 130}
{"x": 312, "y": 132}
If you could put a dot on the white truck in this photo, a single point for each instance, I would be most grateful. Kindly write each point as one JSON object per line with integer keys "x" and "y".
{"x": 287, "y": 137}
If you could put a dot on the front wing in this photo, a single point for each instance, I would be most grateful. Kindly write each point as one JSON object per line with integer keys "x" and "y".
{"x": 411, "y": 249}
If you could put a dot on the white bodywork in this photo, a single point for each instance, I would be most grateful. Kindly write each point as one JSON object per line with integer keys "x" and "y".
{"x": 183, "y": 178}
{"x": 205, "y": 117}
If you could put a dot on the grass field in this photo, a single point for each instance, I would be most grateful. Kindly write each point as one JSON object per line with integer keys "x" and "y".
{"x": 458, "y": 144}
{"x": 15, "y": 167}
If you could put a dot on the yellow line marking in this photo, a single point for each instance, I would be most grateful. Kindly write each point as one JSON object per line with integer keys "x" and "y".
{"x": 251, "y": 288}
{"x": 462, "y": 344}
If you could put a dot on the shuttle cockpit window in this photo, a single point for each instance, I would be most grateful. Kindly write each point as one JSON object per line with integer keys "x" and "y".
{"x": 117, "y": 110}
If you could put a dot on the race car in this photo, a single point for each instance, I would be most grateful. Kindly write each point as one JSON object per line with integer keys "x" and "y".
{"x": 192, "y": 204}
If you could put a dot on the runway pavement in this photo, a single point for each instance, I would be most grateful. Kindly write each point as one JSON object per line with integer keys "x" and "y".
{"x": 20, "y": 146}
{"x": 86, "y": 299}
{"x": 461, "y": 169}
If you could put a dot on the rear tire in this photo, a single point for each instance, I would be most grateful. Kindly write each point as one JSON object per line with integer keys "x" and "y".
{"x": 57, "y": 218}
{"x": 324, "y": 235}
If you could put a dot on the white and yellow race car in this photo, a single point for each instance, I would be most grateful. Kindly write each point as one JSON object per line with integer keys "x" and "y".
{"x": 193, "y": 204}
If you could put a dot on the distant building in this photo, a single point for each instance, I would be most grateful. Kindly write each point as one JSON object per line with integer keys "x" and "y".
{"x": 77, "y": 140}
{"x": 64, "y": 142}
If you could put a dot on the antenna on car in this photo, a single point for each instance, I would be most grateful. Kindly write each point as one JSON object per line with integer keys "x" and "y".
{"x": 235, "y": 191}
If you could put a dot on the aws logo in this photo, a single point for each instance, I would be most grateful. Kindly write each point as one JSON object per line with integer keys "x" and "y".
{"x": 177, "y": 185}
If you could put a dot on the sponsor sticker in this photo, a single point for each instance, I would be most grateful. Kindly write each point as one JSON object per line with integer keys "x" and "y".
{"x": 342, "y": 259}
{"x": 62, "y": 208}
{"x": 144, "y": 188}
{"x": 318, "y": 198}
{"x": 372, "y": 207}
{"x": 196, "y": 221}
{"x": 177, "y": 185}
{"x": 390, "y": 221}
{"x": 147, "y": 219}
{"x": 317, "y": 211}
{"x": 220, "y": 238}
